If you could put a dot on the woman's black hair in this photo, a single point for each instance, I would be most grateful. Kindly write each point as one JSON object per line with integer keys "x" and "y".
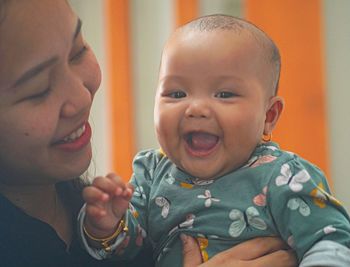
{"x": 3, "y": 4}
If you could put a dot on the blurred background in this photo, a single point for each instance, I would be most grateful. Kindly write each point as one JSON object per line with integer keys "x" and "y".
{"x": 314, "y": 40}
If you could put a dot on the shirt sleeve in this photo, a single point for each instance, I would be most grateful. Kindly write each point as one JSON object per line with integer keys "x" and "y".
{"x": 303, "y": 209}
{"x": 328, "y": 254}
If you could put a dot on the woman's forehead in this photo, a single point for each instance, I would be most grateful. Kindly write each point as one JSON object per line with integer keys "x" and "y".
{"x": 33, "y": 31}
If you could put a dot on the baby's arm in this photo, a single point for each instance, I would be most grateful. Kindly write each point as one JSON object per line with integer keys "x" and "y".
{"x": 107, "y": 200}
{"x": 308, "y": 217}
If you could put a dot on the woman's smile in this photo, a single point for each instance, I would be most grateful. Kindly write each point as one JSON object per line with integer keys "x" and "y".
{"x": 76, "y": 140}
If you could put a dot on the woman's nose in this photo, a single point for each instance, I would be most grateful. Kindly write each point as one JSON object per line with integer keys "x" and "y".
{"x": 198, "y": 108}
{"x": 78, "y": 99}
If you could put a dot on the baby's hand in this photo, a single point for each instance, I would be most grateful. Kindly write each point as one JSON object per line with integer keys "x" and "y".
{"x": 107, "y": 200}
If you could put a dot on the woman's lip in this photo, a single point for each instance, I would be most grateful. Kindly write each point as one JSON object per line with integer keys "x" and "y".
{"x": 78, "y": 143}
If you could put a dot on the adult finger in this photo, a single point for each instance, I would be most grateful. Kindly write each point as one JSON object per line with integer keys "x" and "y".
{"x": 280, "y": 258}
{"x": 254, "y": 248}
{"x": 191, "y": 253}
{"x": 258, "y": 252}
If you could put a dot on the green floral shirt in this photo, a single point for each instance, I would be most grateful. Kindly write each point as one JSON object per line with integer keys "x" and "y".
{"x": 276, "y": 193}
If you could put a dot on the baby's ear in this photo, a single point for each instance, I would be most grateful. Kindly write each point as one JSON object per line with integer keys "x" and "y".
{"x": 273, "y": 113}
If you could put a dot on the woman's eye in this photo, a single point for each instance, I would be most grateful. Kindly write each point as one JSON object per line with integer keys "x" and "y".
{"x": 79, "y": 55}
{"x": 40, "y": 95}
{"x": 177, "y": 94}
{"x": 225, "y": 95}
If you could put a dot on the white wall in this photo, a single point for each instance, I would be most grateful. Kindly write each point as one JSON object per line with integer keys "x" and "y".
{"x": 151, "y": 25}
{"x": 337, "y": 41}
{"x": 231, "y": 7}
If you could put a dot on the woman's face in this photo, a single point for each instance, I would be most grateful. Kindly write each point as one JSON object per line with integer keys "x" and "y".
{"x": 48, "y": 78}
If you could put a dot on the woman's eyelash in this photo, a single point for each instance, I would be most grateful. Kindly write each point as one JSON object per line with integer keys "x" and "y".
{"x": 46, "y": 92}
{"x": 79, "y": 54}
{"x": 41, "y": 94}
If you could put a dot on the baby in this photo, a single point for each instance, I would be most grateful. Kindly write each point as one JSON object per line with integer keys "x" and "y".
{"x": 217, "y": 177}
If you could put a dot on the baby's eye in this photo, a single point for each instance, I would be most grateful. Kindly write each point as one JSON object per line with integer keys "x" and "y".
{"x": 224, "y": 95}
{"x": 177, "y": 94}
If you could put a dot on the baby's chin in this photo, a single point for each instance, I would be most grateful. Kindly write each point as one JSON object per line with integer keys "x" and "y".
{"x": 199, "y": 174}
{"x": 205, "y": 174}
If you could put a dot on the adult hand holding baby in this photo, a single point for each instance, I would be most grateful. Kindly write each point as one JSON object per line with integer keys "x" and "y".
{"x": 258, "y": 252}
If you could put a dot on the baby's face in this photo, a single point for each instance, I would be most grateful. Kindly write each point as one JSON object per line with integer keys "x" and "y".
{"x": 211, "y": 101}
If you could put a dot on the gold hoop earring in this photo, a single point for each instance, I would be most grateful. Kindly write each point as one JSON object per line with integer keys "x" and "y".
{"x": 267, "y": 137}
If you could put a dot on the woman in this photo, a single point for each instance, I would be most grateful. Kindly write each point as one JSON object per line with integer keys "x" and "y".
{"x": 48, "y": 78}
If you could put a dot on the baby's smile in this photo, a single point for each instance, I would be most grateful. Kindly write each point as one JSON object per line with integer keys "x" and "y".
{"x": 201, "y": 144}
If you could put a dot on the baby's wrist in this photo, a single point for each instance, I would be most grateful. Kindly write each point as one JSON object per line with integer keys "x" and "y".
{"x": 104, "y": 239}
{"x": 98, "y": 231}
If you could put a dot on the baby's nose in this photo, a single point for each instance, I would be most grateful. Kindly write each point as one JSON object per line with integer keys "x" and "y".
{"x": 198, "y": 108}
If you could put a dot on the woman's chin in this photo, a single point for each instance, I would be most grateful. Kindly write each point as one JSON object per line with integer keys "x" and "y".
{"x": 74, "y": 169}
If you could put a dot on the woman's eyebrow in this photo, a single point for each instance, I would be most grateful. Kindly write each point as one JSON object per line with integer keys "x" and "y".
{"x": 42, "y": 66}
{"x": 35, "y": 71}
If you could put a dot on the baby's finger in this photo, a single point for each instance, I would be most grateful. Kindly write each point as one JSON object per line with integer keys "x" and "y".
{"x": 93, "y": 195}
{"x": 95, "y": 211}
{"x": 118, "y": 181}
{"x": 123, "y": 189}
{"x": 130, "y": 186}
{"x": 107, "y": 185}
{"x": 128, "y": 192}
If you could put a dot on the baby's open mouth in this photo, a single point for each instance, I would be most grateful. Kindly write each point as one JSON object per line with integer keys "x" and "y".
{"x": 201, "y": 141}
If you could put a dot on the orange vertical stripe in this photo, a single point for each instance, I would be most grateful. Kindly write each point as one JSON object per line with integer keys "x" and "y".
{"x": 186, "y": 10}
{"x": 296, "y": 27}
{"x": 119, "y": 87}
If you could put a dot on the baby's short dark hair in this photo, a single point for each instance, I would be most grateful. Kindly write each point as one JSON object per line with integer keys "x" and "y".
{"x": 231, "y": 23}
